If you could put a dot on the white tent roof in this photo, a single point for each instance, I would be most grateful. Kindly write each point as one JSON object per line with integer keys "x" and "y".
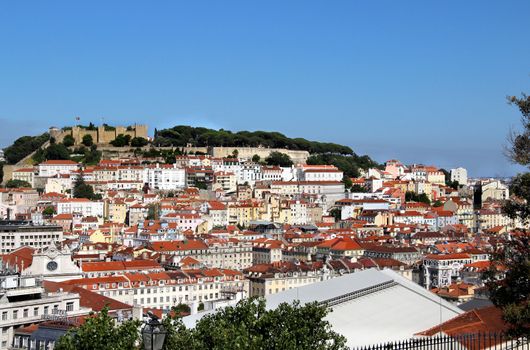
{"x": 369, "y": 307}
{"x": 396, "y": 310}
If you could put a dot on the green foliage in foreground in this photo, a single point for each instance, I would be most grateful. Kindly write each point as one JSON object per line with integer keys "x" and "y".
{"x": 246, "y": 326}
{"x": 101, "y": 333}
{"x": 512, "y": 293}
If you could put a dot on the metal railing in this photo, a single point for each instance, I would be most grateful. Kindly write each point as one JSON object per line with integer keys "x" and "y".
{"x": 478, "y": 341}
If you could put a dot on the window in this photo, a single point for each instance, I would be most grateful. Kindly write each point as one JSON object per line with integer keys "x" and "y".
{"x": 15, "y": 314}
{"x": 26, "y": 313}
{"x": 46, "y": 308}
{"x": 4, "y": 316}
{"x": 70, "y": 306}
{"x": 35, "y": 311}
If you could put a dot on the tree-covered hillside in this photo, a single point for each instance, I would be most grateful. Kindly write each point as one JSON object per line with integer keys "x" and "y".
{"x": 23, "y": 147}
{"x": 182, "y": 135}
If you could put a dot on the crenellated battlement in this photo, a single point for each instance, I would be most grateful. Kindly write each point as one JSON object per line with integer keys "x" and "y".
{"x": 101, "y": 135}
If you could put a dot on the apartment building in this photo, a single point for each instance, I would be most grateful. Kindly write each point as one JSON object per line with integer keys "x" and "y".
{"x": 83, "y": 206}
{"x": 15, "y": 234}
{"x": 164, "y": 177}
{"x": 268, "y": 279}
{"x": 51, "y": 168}
{"x": 441, "y": 270}
{"x": 162, "y": 290}
{"x": 25, "y": 302}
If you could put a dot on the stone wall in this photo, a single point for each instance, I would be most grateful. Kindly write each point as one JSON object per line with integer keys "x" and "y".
{"x": 248, "y": 152}
{"x": 100, "y": 135}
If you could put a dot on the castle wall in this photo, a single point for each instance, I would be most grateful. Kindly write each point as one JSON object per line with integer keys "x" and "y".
{"x": 248, "y": 152}
{"x": 82, "y": 133}
{"x": 99, "y": 136}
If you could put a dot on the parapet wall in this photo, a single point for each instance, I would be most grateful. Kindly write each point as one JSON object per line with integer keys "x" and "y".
{"x": 100, "y": 135}
{"x": 248, "y": 152}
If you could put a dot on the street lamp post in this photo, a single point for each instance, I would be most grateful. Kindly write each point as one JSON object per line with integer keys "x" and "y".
{"x": 153, "y": 334}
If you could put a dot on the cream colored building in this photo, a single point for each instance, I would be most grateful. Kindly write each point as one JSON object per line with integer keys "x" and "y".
{"x": 26, "y": 174}
{"x": 274, "y": 280}
{"x": 226, "y": 181}
{"x": 163, "y": 290}
{"x": 495, "y": 190}
{"x": 60, "y": 184}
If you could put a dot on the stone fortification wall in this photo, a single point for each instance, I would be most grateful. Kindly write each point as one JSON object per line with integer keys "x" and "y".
{"x": 248, "y": 152}
{"x": 100, "y": 135}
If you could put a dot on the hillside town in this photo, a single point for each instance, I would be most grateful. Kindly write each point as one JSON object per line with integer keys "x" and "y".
{"x": 202, "y": 231}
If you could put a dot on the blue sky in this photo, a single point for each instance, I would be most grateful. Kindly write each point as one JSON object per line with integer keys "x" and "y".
{"x": 420, "y": 81}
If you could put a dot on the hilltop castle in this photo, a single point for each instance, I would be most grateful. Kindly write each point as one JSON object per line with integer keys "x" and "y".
{"x": 102, "y": 134}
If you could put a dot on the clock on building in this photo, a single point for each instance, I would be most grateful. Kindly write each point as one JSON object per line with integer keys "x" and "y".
{"x": 52, "y": 266}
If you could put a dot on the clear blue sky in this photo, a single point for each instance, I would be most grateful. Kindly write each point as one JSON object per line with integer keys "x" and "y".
{"x": 420, "y": 81}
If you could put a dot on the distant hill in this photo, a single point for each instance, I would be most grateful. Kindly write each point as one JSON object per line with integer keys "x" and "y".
{"x": 182, "y": 136}
{"x": 343, "y": 157}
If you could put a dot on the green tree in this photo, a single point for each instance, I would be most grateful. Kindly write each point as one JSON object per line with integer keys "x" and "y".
{"x": 336, "y": 213}
{"x": 437, "y": 203}
{"x": 92, "y": 156}
{"x": 138, "y": 142}
{"x": 87, "y": 140}
{"x": 512, "y": 258}
{"x": 347, "y": 181}
{"x": 181, "y": 308}
{"x": 17, "y": 184}
{"x": 48, "y": 211}
{"x": 453, "y": 184}
{"x": 100, "y": 332}
{"x": 84, "y": 190}
{"x": 358, "y": 188}
{"x": 256, "y": 158}
{"x": 68, "y": 141}
{"x": 249, "y": 325}
{"x": 153, "y": 211}
{"x": 200, "y": 307}
{"x": 23, "y": 147}
{"x": 57, "y": 151}
{"x": 414, "y": 197}
{"x": 121, "y": 140}
{"x": 201, "y": 185}
{"x": 512, "y": 293}
{"x": 38, "y": 157}
{"x": 348, "y": 164}
{"x": 182, "y": 135}
{"x": 279, "y": 159}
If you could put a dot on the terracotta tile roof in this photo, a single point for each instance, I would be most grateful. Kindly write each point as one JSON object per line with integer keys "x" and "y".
{"x": 21, "y": 258}
{"x": 87, "y": 298}
{"x": 453, "y": 256}
{"x": 120, "y": 265}
{"x": 59, "y": 162}
{"x": 486, "y": 320}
